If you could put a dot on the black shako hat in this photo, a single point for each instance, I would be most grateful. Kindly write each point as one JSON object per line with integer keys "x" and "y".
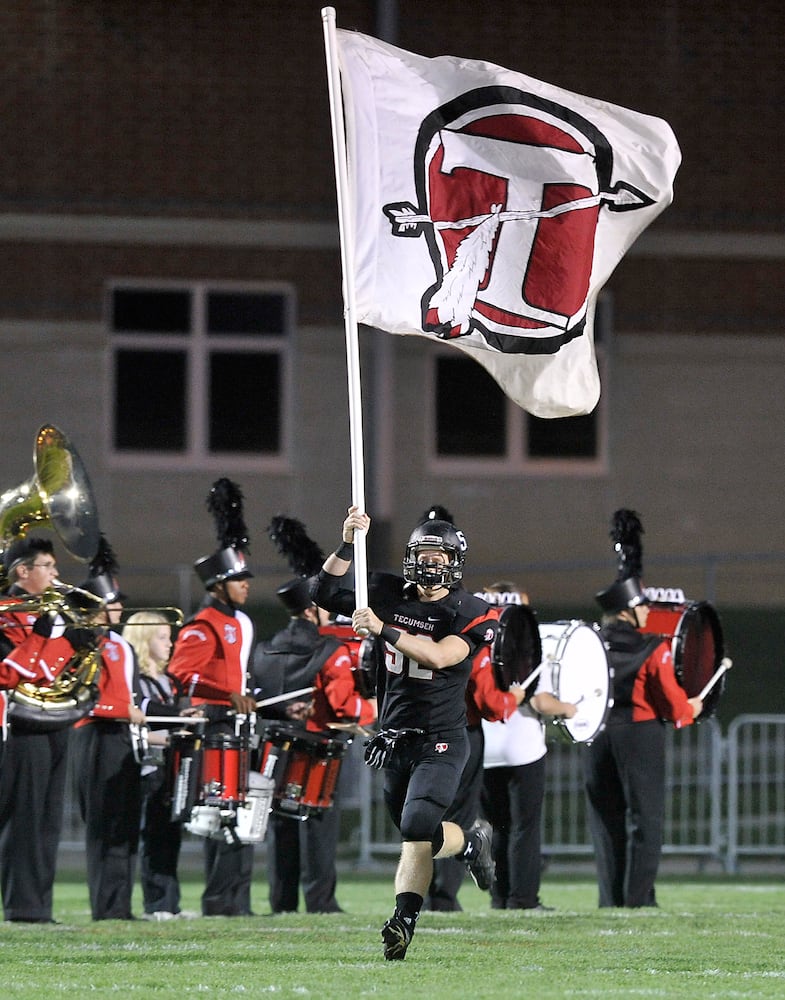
{"x": 295, "y": 595}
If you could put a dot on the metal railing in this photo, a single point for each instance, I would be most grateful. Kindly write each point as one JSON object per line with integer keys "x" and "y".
{"x": 725, "y": 798}
{"x": 756, "y": 787}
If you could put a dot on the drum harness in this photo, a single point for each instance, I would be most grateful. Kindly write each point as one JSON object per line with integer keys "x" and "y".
{"x": 631, "y": 651}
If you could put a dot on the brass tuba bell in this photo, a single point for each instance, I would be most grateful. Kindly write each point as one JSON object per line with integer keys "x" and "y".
{"x": 58, "y": 495}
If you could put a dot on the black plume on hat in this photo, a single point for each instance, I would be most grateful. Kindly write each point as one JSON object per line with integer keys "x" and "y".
{"x": 625, "y": 591}
{"x": 626, "y": 531}
{"x": 291, "y": 539}
{"x": 102, "y": 581}
{"x": 104, "y": 561}
{"x": 225, "y": 503}
{"x": 437, "y": 513}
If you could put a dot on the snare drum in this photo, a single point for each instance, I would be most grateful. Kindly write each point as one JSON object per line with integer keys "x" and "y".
{"x": 183, "y": 767}
{"x": 581, "y": 675}
{"x": 697, "y": 646}
{"x": 305, "y": 767}
{"x": 224, "y": 776}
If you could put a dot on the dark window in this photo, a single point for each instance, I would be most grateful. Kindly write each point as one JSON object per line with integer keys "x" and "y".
{"x": 470, "y": 410}
{"x": 246, "y": 312}
{"x": 147, "y": 310}
{"x": 245, "y": 402}
{"x": 562, "y": 437}
{"x": 150, "y": 400}
{"x": 199, "y": 370}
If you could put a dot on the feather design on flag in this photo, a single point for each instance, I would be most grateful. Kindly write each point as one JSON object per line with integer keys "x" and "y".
{"x": 455, "y": 297}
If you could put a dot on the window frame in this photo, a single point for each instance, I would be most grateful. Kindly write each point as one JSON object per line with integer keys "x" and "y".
{"x": 198, "y": 345}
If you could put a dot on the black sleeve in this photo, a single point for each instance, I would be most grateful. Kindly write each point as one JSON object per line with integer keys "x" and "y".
{"x": 330, "y": 594}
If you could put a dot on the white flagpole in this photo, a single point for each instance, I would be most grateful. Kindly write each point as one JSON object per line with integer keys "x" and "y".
{"x": 350, "y": 320}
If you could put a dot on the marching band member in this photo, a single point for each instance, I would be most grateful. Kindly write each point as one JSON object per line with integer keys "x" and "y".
{"x": 514, "y": 784}
{"x": 431, "y": 628}
{"x": 107, "y": 779}
{"x": 299, "y": 657}
{"x": 625, "y": 765}
{"x": 149, "y": 633}
{"x": 210, "y": 664}
{"x": 32, "y": 783}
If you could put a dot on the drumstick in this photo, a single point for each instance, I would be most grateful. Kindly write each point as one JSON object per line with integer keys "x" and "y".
{"x": 349, "y": 727}
{"x": 284, "y": 697}
{"x": 535, "y": 673}
{"x": 184, "y": 720}
{"x": 726, "y": 664}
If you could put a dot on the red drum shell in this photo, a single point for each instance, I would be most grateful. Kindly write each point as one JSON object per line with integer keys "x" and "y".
{"x": 305, "y": 767}
{"x": 697, "y": 645}
{"x": 224, "y": 776}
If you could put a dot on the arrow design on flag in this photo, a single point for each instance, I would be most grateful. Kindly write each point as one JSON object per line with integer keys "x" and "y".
{"x": 407, "y": 220}
{"x": 455, "y": 297}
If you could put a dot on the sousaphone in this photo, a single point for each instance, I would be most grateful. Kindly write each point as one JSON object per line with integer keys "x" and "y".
{"x": 57, "y": 496}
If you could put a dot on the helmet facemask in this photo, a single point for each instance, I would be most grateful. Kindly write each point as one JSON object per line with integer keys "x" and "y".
{"x": 431, "y": 574}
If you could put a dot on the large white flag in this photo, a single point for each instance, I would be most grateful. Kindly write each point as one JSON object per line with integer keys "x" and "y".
{"x": 488, "y": 210}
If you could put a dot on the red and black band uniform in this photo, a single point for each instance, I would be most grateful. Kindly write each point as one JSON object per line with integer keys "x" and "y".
{"x": 107, "y": 782}
{"x": 33, "y": 774}
{"x": 210, "y": 662}
{"x": 625, "y": 766}
{"x": 303, "y": 852}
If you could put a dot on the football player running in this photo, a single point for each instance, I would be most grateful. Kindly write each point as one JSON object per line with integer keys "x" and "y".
{"x": 431, "y": 629}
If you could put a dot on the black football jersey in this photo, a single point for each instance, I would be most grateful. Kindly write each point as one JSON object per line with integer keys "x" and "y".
{"x": 416, "y": 696}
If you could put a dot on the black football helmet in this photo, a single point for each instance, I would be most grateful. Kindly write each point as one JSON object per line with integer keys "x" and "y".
{"x": 435, "y": 535}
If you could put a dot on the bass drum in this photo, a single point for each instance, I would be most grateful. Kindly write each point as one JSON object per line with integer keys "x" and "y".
{"x": 516, "y": 650}
{"x": 581, "y": 675}
{"x": 697, "y": 645}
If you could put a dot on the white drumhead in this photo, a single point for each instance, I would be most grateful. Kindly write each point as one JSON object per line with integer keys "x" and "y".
{"x": 581, "y": 675}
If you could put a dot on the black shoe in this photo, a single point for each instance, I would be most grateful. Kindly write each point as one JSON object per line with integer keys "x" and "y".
{"x": 32, "y": 920}
{"x": 396, "y": 935}
{"x": 480, "y": 864}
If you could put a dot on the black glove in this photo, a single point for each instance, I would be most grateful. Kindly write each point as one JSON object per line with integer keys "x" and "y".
{"x": 379, "y": 748}
{"x": 81, "y": 638}
{"x": 43, "y": 625}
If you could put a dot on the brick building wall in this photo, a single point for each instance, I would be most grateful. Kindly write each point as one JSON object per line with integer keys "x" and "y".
{"x": 121, "y": 119}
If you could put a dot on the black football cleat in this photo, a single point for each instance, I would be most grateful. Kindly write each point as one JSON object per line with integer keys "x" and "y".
{"x": 396, "y": 935}
{"x": 480, "y": 864}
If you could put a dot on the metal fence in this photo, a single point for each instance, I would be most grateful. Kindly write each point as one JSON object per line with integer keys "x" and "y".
{"x": 725, "y": 796}
{"x": 725, "y": 799}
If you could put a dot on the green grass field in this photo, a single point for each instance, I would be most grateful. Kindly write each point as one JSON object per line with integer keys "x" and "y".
{"x": 710, "y": 937}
